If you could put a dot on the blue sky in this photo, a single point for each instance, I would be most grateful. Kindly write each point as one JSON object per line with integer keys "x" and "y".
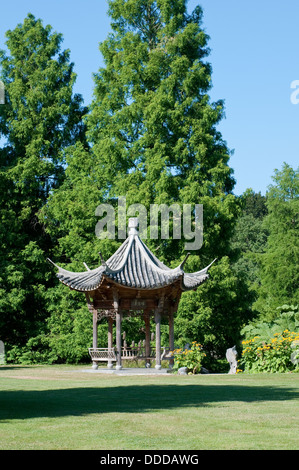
{"x": 255, "y": 58}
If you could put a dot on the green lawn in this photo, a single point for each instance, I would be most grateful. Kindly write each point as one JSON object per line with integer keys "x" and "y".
{"x": 63, "y": 407}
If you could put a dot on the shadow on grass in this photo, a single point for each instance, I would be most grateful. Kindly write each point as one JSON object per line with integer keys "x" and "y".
{"x": 129, "y": 399}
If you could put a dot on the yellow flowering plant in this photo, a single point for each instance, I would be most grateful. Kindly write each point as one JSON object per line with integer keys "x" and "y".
{"x": 190, "y": 358}
{"x": 279, "y": 354}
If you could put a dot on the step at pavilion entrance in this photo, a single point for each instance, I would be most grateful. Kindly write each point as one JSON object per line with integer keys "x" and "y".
{"x": 132, "y": 282}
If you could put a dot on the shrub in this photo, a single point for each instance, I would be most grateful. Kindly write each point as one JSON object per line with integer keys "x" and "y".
{"x": 190, "y": 358}
{"x": 280, "y": 354}
{"x": 36, "y": 351}
{"x": 285, "y": 318}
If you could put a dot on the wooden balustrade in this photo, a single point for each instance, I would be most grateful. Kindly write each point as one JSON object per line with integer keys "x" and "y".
{"x": 131, "y": 353}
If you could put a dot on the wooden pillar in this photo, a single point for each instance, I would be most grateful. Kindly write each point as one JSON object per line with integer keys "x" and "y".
{"x": 95, "y": 334}
{"x": 147, "y": 339}
{"x": 171, "y": 334}
{"x": 95, "y": 329}
{"x": 110, "y": 340}
{"x": 158, "y": 338}
{"x": 118, "y": 329}
{"x": 118, "y": 340}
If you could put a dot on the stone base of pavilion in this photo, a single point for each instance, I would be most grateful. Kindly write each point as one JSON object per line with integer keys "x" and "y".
{"x": 130, "y": 371}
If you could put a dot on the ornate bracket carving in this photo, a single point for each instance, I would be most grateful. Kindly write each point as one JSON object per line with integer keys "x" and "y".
{"x": 106, "y": 314}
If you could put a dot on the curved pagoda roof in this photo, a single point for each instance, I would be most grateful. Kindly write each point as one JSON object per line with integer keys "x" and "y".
{"x": 133, "y": 265}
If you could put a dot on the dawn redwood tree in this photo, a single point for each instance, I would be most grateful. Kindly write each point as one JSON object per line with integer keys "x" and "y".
{"x": 152, "y": 126}
{"x": 40, "y": 118}
{"x": 153, "y": 138}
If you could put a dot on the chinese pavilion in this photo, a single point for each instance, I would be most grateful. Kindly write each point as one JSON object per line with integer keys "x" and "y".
{"x": 132, "y": 282}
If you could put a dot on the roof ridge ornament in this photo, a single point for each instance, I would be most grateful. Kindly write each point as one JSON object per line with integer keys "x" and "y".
{"x": 133, "y": 225}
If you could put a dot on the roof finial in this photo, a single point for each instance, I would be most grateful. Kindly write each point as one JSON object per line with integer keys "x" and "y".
{"x": 133, "y": 224}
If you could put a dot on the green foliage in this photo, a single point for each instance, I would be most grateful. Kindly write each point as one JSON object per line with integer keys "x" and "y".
{"x": 152, "y": 135}
{"x": 214, "y": 314}
{"x": 248, "y": 242}
{"x": 272, "y": 346}
{"x": 66, "y": 335}
{"x": 69, "y": 325}
{"x": 191, "y": 358}
{"x": 41, "y": 116}
{"x": 249, "y": 237}
{"x": 36, "y": 351}
{"x": 279, "y": 263}
{"x": 253, "y": 204}
{"x": 151, "y": 124}
{"x": 279, "y": 354}
{"x": 286, "y": 318}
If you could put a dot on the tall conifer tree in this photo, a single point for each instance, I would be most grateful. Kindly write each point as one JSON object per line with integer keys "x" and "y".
{"x": 40, "y": 118}
{"x": 153, "y": 137}
{"x": 152, "y": 125}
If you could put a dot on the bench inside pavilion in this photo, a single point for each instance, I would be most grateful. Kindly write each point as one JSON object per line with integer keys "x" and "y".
{"x": 133, "y": 281}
